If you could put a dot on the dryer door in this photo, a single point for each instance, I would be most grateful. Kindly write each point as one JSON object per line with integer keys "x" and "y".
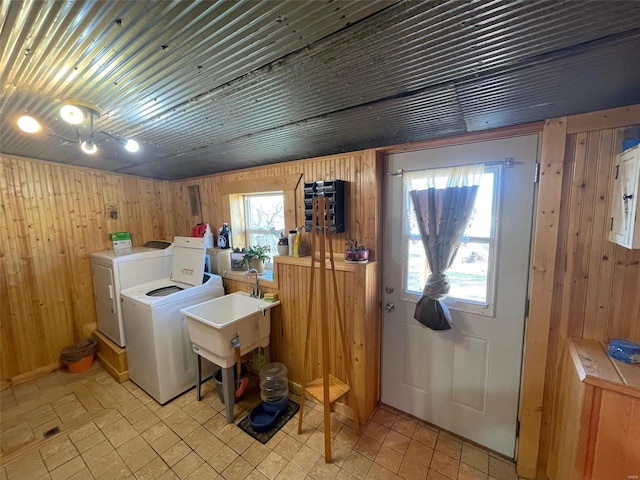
{"x": 106, "y": 307}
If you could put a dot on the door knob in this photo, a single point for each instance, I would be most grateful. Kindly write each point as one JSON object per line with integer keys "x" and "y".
{"x": 389, "y": 307}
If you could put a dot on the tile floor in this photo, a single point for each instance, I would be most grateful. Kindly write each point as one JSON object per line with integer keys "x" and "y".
{"x": 111, "y": 431}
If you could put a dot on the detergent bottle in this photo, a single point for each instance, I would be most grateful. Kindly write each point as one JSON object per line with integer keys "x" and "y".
{"x": 224, "y": 239}
{"x": 296, "y": 243}
{"x": 208, "y": 237}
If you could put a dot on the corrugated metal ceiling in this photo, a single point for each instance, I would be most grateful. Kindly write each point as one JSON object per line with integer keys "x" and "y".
{"x": 210, "y": 86}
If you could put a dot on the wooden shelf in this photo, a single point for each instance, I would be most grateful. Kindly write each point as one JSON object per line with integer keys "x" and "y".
{"x": 338, "y": 257}
{"x": 595, "y": 367}
{"x": 337, "y": 388}
{"x": 595, "y": 425}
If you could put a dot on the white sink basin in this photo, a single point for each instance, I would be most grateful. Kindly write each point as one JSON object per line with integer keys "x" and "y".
{"x": 213, "y": 324}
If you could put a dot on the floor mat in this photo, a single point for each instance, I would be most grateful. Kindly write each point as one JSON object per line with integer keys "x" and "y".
{"x": 264, "y": 437}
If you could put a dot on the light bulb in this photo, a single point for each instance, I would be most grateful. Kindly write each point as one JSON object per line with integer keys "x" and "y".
{"x": 28, "y": 124}
{"x": 132, "y": 146}
{"x": 89, "y": 148}
{"x": 71, "y": 114}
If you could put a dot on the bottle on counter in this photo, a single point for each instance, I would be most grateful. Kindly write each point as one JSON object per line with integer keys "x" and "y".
{"x": 224, "y": 237}
{"x": 292, "y": 239}
{"x": 296, "y": 244}
{"x": 208, "y": 237}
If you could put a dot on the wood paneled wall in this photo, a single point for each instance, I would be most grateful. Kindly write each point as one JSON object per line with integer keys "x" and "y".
{"x": 52, "y": 218}
{"x": 599, "y": 297}
{"x": 597, "y": 294}
{"x": 362, "y": 197}
{"x": 359, "y": 289}
{"x": 582, "y": 284}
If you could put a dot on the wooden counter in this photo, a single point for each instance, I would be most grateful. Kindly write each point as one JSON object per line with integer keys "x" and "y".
{"x": 596, "y": 424}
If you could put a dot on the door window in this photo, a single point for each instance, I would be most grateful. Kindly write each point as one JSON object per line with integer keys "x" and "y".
{"x": 472, "y": 275}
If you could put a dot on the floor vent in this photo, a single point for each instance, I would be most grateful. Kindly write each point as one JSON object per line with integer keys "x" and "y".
{"x": 51, "y": 432}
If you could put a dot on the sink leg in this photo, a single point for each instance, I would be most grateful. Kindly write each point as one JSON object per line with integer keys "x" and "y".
{"x": 199, "y": 374}
{"x": 229, "y": 391}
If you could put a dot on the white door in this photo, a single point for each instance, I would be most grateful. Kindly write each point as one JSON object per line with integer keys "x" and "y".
{"x": 106, "y": 301}
{"x": 465, "y": 380}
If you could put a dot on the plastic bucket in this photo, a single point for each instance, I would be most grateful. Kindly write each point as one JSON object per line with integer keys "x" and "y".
{"x": 218, "y": 379}
{"x": 79, "y": 356}
{"x": 81, "y": 365}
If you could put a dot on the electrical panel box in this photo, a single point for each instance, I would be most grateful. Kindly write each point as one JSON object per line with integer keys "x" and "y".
{"x": 625, "y": 225}
{"x": 334, "y": 190}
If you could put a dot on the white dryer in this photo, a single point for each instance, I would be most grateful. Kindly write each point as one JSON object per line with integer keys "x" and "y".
{"x": 113, "y": 273}
{"x": 159, "y": 353}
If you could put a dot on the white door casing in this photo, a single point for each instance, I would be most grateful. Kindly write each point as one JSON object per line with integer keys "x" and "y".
{"x": 465, "y": 380}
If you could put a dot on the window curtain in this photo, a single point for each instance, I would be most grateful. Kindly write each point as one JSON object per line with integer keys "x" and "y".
{"x": 443, "y": 210}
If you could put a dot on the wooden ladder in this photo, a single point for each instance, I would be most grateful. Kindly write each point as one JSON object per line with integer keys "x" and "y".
{"x": 327, "y": 388}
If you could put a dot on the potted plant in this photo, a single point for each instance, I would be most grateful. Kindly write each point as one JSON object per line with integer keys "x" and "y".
{"x": 255, "y": 256}
{"x": 283, "y": 245}
{"x": 355, "y": 253}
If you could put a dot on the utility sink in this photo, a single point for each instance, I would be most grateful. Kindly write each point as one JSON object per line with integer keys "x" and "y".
{"x": 215, "y": 323}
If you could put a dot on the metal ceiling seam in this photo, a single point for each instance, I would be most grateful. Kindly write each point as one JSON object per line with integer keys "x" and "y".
{"x": 44, "y": 67}
{"x": 258, "y": 52}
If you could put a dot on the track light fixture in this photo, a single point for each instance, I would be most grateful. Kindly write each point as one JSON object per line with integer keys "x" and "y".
{"x": 74, "y": 112}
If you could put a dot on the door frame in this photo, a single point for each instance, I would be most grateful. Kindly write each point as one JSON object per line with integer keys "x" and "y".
{"x": 525, "y": 431}
{"x": 524, "y": 287}
{"x": 540, "y": 346}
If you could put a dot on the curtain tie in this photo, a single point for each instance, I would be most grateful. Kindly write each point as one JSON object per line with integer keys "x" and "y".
{"x": 437, "y": 286}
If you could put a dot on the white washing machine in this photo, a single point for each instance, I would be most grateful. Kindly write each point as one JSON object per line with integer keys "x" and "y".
{"x": 159, "y": 353}
{"x": 113, "y": 273}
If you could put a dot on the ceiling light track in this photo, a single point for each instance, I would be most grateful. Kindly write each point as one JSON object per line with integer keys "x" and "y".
{"x": 74, "y": 112}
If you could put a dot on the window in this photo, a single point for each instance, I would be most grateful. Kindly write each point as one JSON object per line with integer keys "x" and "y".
{"x": 264, "y": 219}
{"x": 254, "y": 192}
{"x": 472, "y": 274}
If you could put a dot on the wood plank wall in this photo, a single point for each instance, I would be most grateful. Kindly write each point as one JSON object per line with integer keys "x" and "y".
{"x": 359, "y": 291}
{"x": 597, "y": 282}
{"x": 357, "y": 168}
{"x": 52, "y": 218}
{"x": 586, "y": 287}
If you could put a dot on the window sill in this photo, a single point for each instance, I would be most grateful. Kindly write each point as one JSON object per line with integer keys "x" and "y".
{"x": 264, "y": 279}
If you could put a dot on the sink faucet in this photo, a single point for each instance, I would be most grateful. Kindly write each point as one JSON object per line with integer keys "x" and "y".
{"x": 255, "y": 291}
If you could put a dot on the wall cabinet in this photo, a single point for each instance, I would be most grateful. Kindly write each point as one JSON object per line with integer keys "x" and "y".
{"x": 625, "y": 224}
{"x": 596, "y": 421}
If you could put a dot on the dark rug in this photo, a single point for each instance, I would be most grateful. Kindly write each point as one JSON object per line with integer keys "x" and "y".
{"x": 264, "y": 437}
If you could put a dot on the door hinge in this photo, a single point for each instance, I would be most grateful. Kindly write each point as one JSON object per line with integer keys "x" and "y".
{"x": 536, "y": 175}
{"x": 517, "y": 428}
{"x": 526, "y": 308}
